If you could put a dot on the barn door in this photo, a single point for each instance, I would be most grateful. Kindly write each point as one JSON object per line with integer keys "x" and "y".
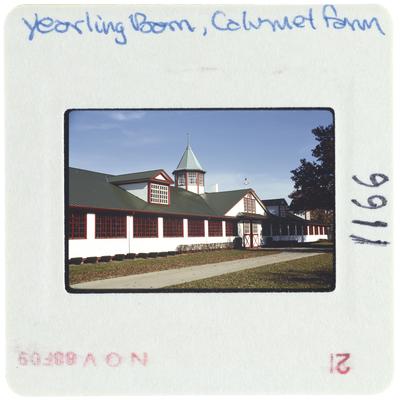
{"x": 255, "y": 235}
{"x": 247, "y": 237}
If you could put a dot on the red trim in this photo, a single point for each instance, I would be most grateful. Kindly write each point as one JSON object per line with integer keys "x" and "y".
{"x": 150, "y": 190}
{"x": 176, "y": 233}
{"x": 197, "y": 228}
{"x": 110, "y": 225}
{"x": 144, "y": 226}
{"x": 159, "y": 213}
{"x": 216, "y": 230}
{"x": 164, "y": 173}
{"x": 85, "y": 226}
{"x": 161, "y": 181}
{"x": 160, "y": 172}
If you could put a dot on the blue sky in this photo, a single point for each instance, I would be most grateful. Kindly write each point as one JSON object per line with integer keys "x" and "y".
{"x": 231, "y": 145}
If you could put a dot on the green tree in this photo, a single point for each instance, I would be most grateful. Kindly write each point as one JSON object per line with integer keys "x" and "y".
{"x": 314, "y": 181}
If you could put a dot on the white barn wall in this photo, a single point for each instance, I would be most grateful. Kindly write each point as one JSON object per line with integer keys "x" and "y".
{"x": 240, "y": 208}
{"x": 138, "y": 189}
{"x": 92, "y": 247}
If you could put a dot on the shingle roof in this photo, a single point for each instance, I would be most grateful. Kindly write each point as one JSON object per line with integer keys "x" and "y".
{"x": 135, "y": 177}
{"x": 224, "y": 201}
{"x": 94, "y": 190}
{"x": 189, "y": 161}
{"x": 291, "y": 218}
{"x": 275, "y": 202}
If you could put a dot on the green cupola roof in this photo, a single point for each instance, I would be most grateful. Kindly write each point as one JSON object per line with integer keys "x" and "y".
{"x": 189, "y": 161}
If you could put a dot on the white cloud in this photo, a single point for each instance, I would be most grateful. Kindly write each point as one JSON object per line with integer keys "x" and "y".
{"x": 126, "y": 115}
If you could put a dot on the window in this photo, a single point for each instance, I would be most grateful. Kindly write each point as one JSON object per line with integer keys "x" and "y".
{"x": 196, "y": 227}
{"x": 292, "y": 229}
{"x": 215, "y": 228}
{"x": 200, "y": 179}
{"x": 145, "y": 226}
{"x": 77, "y": 225}
{"x": 110, "y": 225}
{"x": 159, "y": 193}
{"x": 231, "y": 228}
{"x": 276, "y": 230}
{"x": 255, "y": 229}
{"x": 283, "y": 211}
{"x": 181, "y": 179}
{"x": 173, "y": 227}
{"x": 191, "y": 178}
{"x": 247, "y": 228}
{"x": 249, "y": 204}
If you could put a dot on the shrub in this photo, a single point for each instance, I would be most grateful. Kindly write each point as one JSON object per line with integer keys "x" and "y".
{"x": 119, "y": 257}
{"x": 152, "y": 254}
{"x": 75, "y": 261}
{"x": 90, "y": 260}
{"x": 130, "y": 256}
{"x": 105, "y": 259}
{"x": 193, "y": 248}
{"x": 172, "y": 253}
{"x": 142, "y": 255}
{"x": 237, "y": 243}
{"x": 162, "y": 254}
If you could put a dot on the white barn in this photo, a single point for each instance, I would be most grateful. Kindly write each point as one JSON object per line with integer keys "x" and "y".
{"x": 148, "y": 212}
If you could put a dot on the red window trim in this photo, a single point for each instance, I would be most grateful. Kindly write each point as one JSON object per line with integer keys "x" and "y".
{"x": 147, "y": 229}
{"x": 101, "y": 235}
{"x": 216, "y": 228}
{"x": 249, "y": 204}
{"x": 84, "y": 214}
{"x": 234, "y": 228}
{"x": 201, "y": 223}
{"x": 179, "y": 225}
{"x": 168, "y": 193}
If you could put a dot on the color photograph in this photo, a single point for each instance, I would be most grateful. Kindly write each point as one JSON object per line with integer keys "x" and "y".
{"x": 192, "y": 200}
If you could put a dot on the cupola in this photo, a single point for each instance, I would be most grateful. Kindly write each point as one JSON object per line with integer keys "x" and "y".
{"x": 189, "y": 174}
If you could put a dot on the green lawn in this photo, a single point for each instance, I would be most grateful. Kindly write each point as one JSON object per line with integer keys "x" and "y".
{"x": 316, "y": 272}
{"x": 91, "y": 272}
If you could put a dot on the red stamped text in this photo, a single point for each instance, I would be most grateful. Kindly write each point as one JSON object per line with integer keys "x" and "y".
{"x": 338, "y": 363}
{"x": 86, "y": 360}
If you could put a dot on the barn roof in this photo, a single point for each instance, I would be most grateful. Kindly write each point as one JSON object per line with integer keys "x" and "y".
{"x": 189, "y": 161}
{"x": 138, "y": 176}
{"x": 290, "y": 218}
{"x": 222, "y": 202}
{"x": 275, "y": 202}
{"x": 94, "y": 190}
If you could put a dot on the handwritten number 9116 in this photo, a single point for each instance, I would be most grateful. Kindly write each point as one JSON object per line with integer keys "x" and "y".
{"x": 375, "y": 202}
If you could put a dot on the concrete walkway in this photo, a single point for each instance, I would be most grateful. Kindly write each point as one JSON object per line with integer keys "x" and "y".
{"x": 160, "y": 279}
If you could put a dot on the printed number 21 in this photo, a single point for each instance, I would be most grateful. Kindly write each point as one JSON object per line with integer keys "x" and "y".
{"x": 338, "y": 363}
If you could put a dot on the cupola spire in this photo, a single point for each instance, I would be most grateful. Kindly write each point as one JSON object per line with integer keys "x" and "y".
{"x": 189, "y": 173}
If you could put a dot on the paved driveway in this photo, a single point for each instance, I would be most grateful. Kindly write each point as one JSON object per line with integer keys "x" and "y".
{"x": 160, "y": 279}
